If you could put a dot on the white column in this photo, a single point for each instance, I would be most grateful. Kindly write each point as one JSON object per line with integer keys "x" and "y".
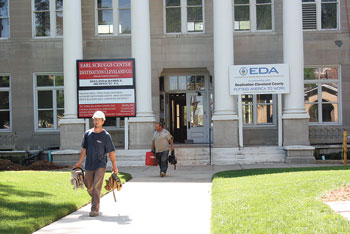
{"x": 141, "y": 51}
{"x": 72, "y": 50}
{"x": 225, "y": 124}
{"x": 295, "y": 119}
{"x": 71, "y": 128}
{"x": 141, "y": 128}
{"x": 293, "y": 54}
{"x": 223, "y": 58}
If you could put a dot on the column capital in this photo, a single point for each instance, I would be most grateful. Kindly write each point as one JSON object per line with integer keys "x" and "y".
{"x": 302, "y": 115}
{"x": 224, "y": 117}
{"x": 142, "y": 119}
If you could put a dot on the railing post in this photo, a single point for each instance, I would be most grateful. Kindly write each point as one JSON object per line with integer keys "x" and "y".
{"x": 345, "y": 145}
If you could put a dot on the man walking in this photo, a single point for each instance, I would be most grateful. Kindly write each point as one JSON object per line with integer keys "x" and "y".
{"x": 160, "y": 143}
{"x": 96, "y": 144}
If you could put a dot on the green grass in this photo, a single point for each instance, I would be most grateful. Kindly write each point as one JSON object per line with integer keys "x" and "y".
{"x": 30, "y": 200}
{"x": 277, "y": 201}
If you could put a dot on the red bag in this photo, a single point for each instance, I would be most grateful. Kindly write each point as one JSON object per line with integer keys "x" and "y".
{"x": 151, "y": 159}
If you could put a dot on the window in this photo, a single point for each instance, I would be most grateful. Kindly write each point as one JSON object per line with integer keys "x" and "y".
{"x": 321, "y": 95}
{"x": 320, "y": 14}
{"x": 48, "y": 18}
{"x": 5, "y": 103}
{"x": 4, "y": 19}
{"x": 113, "y": 122}
{"x": 113, "y": 14}
{"x": 49, "y": 101}
{"x": 253, "y": 15}
{"x": 258, "y": 109}
{"x": 184, "y": 16}
{"x": 195, "y": 83}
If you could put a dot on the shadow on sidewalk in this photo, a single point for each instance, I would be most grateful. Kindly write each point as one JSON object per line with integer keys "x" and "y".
{"x": 120, "y": 219}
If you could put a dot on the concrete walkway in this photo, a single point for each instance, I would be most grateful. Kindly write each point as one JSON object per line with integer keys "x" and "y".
{"x": 341, "y": 207}
{"x": 177, "y": 203}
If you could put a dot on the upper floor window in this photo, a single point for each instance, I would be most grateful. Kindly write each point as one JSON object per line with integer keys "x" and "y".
{"x": 49, "y": 101}
{"x": 320, "y": 14}
{"x": 321, "y": 94}
{"x": 184, "y": 16}
{"x": 4, "y": 19}
{"x": 5, "y": 103}
{"x": 253, "y": 15}
{"x": 113, "y": 17}
{"x": 48, "y": 18}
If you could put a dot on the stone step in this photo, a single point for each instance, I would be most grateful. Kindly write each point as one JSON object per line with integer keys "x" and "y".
{"x": 248, "y": 155}
{"x": 189, "y": 156}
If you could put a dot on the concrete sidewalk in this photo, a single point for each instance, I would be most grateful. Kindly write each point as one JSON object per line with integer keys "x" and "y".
{"x": 177, "y": 203}
{"x": 341, "y": 207}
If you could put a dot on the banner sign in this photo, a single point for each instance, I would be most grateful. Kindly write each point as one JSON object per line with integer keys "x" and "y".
{"x": 259, "y": 79}
{"x": 106, "y": 85}
{"x": 105, "y": 73}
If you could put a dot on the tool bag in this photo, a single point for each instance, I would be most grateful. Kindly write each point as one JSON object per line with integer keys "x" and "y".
{"x": 77, "y": 179}
{"x": 172, "y": 159}
{"x": 113, "y": 182}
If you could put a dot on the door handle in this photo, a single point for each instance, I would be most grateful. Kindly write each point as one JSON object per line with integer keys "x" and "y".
{"x": 189, "y": 124}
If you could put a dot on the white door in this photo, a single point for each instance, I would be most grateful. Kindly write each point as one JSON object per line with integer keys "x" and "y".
{"x": 197, "y": 118}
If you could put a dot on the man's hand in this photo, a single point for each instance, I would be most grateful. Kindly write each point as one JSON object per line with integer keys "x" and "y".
{"x": 114, "y": 164}
{"x": 115, "y": 170}
{"x": 171, "y": 144}
{"x": 81, "y": 159}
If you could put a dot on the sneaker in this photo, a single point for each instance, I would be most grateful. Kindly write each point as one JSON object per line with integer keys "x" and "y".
{"x": 162, "y": 174}
{"x": 93, "y": 213}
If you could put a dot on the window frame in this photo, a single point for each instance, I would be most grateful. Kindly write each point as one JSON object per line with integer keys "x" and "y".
{"x": 118, "y": 125}
{"x": 8, "y": 19}
{"x": 167, "y": 84}
{"x": 319, "y": 83}
{"x": 53, "y": 26}
{"x": 255, "y": 112}
{"x": 54, "y": 90}
{"x": 253, "y": 18}
{"x": 9, "y": 89}
{"x": 318, "y": 4}
{"x": 115, "y": 15}
{"x": 183, "y": 10}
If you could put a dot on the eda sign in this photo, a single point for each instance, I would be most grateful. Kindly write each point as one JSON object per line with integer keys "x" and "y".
{"x": 259, "y": 79}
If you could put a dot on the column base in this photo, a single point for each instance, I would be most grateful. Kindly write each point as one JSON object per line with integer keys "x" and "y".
{"x": 141, "y": 131}
{"x": 299, "y": 154}
{"x": 295, "y": 131}
{"x": 225, "y": 132}
{"x": 71, "y": 133}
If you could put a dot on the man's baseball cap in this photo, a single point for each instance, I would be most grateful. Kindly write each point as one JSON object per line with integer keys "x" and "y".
{"x": 99, "y": 114}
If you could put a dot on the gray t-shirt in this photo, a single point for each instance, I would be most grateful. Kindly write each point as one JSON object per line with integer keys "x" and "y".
{"x": 97, "y": 146}
{"x": 161, "y": 140}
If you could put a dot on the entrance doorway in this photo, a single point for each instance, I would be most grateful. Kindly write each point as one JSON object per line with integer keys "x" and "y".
{"x": 178, "y": 114}
{"x": 188, "y": 118}
{"x": 186, "y": 106}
